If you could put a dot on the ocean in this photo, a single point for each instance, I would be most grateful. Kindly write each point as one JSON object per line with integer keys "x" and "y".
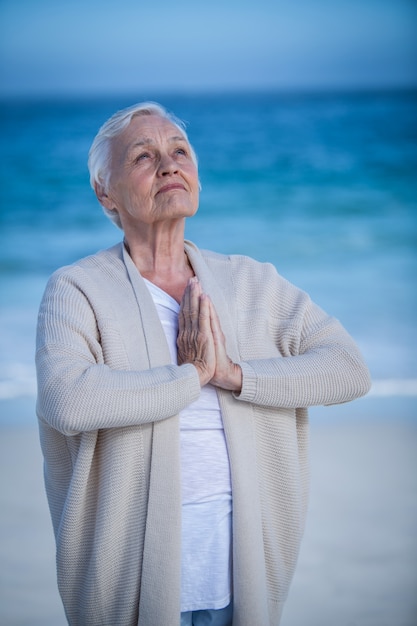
{"x": 324, "y": 186}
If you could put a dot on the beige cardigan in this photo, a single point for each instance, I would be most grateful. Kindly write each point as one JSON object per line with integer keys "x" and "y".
{"x": 107, "y": 405}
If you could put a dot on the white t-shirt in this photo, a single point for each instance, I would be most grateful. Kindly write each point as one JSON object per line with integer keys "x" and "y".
{"x": 206, "y": 487}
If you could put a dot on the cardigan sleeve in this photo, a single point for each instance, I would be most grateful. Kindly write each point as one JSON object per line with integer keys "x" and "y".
{"x": 330, "y": 371}
{"x": 317, "y": 362}
{"x": 78, "y": 390}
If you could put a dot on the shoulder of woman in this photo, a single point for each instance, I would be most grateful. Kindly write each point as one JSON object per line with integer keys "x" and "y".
{"x": 88, "y": 268}
{"x": 247, "y": 273}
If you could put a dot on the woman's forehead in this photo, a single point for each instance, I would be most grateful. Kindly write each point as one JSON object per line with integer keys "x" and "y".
{"x": 146, "y": 130}
{"x": 150, "y": 126}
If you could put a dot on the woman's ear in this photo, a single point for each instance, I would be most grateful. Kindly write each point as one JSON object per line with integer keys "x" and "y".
{"x": 102, "y": 196}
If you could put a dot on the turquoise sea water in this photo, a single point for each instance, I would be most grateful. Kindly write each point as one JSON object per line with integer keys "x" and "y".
{"x": 322, "y": 185}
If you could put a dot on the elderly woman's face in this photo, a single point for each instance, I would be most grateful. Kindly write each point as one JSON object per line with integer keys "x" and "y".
{"x": 153, "y": 177}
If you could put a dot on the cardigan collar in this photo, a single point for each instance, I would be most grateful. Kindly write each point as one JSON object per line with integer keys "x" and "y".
{"x": 158, "y": 350}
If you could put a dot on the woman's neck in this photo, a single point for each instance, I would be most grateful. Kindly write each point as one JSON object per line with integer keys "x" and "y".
{"x": 163, "y": 261}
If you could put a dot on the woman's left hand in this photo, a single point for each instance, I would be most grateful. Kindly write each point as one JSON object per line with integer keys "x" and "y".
{"x": 227, "y": 375}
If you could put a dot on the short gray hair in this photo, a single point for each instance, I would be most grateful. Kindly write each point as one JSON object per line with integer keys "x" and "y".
{"x": 99, "y": 156}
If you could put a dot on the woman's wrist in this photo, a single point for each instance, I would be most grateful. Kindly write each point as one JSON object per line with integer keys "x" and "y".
{"x": 231, "y": 379}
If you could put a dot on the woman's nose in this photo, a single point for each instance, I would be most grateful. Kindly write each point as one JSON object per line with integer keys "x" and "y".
{"x": 167, "y": 165}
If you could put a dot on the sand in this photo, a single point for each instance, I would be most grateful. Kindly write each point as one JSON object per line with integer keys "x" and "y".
{"x": 358, "y": 561}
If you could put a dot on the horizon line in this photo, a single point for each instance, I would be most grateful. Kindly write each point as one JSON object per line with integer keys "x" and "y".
{"x": 208, "y": 91}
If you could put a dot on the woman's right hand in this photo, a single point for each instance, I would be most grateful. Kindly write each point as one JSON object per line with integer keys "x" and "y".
{"x": 195, "y": 341}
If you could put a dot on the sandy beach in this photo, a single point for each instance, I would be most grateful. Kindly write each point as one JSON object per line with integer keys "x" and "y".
{"x": 358, "y": 562}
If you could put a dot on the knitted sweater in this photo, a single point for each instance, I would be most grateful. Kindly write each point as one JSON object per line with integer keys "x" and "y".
{"x": 108, "y": 403}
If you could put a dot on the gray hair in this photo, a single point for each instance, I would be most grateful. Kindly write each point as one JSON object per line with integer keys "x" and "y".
{"x": 99, "y": 156}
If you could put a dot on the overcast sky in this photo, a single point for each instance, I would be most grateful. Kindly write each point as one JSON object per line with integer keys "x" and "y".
{"x": 96, "y": 46}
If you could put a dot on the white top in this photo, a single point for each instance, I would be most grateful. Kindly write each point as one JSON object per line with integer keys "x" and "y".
{"x": 206, "y": 487}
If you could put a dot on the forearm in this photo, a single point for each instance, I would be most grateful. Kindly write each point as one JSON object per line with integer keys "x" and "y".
{"x": 73, "y": 397}
{"x": 328, "y": 375}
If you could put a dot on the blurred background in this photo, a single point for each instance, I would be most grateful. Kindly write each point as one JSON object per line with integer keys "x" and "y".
{"x": 304, "y": 118}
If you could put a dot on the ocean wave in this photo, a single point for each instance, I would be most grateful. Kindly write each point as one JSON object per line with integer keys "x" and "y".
{"x": 18, "y": 380}
{"x": 393, "y": 387}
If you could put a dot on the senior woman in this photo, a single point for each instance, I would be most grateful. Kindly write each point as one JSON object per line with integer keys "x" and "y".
{"x": 173, "y": 393}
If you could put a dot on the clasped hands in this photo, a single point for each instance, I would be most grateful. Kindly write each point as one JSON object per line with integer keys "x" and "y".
{"x": 201, "y": 340}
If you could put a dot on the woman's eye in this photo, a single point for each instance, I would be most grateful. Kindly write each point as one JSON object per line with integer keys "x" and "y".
{"x": 181, "y": 151}
{"x": 142, "y": 157}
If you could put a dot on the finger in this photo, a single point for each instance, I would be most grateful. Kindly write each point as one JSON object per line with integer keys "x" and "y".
{"x": 204, "y": 321}
{"x": 194, "y": 312}
{"x": 185, "y": 304}
{"x": 215, "y": 325}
